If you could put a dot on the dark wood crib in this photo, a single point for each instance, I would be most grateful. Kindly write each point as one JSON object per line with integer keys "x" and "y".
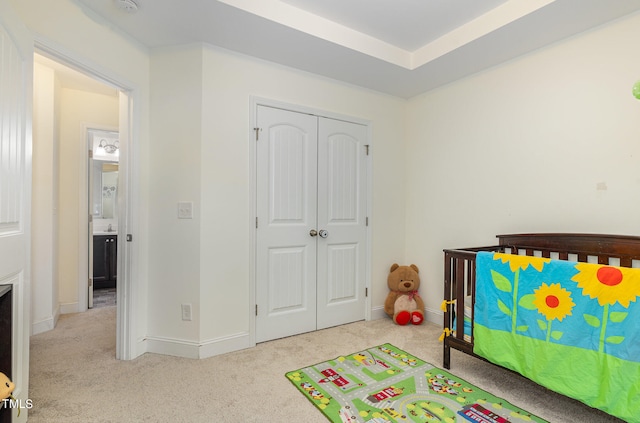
{"x": 459, "y": 271}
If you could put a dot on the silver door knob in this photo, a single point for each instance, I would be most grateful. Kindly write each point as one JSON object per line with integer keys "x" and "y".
{"x": 323, "y": 233}
{"x": 313, "y": 232}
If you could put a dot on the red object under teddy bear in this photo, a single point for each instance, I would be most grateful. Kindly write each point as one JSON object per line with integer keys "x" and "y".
{"x": 403, "y": 303}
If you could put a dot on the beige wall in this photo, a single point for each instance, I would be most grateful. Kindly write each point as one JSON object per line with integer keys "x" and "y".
{"x": 175, "y": 167}
{"x": 78, "y": 109}
{"x": 229, "y": 81}
{"x": 201, "y": 126}
{"x": 524, "y": 147}
{"x": 521, "y": 147}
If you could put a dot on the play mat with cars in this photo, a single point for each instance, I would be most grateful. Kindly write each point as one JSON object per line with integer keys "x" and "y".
{"x": 386, "y": 384}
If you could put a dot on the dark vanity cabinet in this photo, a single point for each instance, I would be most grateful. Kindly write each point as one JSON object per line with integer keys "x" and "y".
{"x": 105, "y": 259}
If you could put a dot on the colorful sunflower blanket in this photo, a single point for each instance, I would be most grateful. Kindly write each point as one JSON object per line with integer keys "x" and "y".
{"x": 571, "y": 327}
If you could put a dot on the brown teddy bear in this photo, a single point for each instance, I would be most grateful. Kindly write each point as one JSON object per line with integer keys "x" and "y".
{"x": 403, "y": 303}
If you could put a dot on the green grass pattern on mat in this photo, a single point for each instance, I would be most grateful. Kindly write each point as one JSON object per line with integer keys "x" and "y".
{"x": 386, "y": 384}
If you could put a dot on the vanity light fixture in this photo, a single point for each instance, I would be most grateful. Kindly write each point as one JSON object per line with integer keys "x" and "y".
{"x": 109, "y": 146}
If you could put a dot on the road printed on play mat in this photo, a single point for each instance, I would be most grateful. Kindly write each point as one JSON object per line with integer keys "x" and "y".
{"x": 386, "y": 384}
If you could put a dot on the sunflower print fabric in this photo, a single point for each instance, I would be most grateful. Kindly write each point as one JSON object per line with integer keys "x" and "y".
{"x": 572, "y": 327}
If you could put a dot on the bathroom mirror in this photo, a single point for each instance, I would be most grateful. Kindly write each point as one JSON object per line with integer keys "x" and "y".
{"x": 105, "y": 189}
{"x": 105, "y": 152}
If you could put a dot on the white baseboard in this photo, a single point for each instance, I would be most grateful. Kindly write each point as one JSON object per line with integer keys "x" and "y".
{"x": 236, "y": 342}
{"x": 430, "y": 315}
{"x": 140, "y": 348}
{"x": 206, "y": 349}
{"x": 68, "y": 308}
{"x": 226, "y": 344}
{"x": 45, "y": 325}
{"x": 175, "y": 347}
{"x": 433, "y": 316}
{"x": 378, "y": 313}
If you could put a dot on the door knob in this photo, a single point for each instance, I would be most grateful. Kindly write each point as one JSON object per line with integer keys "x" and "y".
{"x": 323, "y": 233}
{"x": 313, "y": 232}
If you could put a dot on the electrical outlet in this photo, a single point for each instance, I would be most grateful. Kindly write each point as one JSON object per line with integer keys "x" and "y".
{"x": 186, "y": 312}
{"x": 185, "y": 210}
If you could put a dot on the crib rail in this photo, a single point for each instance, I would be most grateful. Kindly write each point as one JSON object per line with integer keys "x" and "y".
{"x": 618, "y": 250}
{"x": 460, "y": 266}
{"x": 459, "y": 291}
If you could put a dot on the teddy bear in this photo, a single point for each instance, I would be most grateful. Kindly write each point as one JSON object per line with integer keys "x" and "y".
{"x": 403, "y": 303}
{"x": 6, "y": 389}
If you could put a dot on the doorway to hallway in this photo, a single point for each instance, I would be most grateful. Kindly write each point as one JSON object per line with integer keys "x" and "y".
{"x": 80, "y": 100}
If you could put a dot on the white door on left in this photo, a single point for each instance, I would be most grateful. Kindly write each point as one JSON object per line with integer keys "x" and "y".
{"x": 286, "y": 209}
{"x": 16, "y": 82}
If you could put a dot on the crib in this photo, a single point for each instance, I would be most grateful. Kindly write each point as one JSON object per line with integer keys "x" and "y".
{"x": 460, "y": 273}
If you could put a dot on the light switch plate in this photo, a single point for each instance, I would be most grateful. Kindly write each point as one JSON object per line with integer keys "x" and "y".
{"x": 186, "y": 312}
{"x": 185, "y": 210}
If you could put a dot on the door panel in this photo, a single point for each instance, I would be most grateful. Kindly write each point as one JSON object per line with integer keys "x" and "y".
{"x": 16, "y": 82}
{"x": 286, "y": 172}
{"x": 342, "y": 213}
{"x": 286, "y": 271}
{"x": 311, "y": 179}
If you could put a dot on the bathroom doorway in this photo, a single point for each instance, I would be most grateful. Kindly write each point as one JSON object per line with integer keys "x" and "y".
{"x": 103, "y": 148}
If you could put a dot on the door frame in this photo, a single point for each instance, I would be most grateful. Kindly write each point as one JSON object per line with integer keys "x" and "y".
{"x": 129, "y": 94}
{"x": 254, "y": 102}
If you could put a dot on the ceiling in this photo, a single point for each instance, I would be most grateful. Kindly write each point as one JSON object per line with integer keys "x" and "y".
{"x": 399, "y": 47}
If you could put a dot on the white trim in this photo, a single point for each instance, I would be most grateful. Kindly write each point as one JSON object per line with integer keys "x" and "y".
{"x": 46, "y": 324}
{"x": 59, "y": 53}
{"x": 174, "y": 347}
{"x": 261, "y": 101}
{"x": 253, "y": 213}
{"x": 254, "y": 102}
{"x": 378, "y": 313}
{"x": 20, "y": 337}
{"x": 223, "y": 345}
{"x": 369, "y": 246}
{"x": 43, "y": 326}
{"x": 430, "y": 315}
{"x": 196, "y": 350}
{"x": 433, "y": 316}
{"x": 68, "y": 308}
{"x": 126, "y": 312}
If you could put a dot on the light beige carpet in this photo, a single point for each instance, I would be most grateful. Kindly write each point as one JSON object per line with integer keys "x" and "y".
{"x": 76, "y": 378}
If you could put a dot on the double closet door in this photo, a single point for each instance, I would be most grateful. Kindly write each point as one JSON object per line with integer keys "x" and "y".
{"x": 311, "y": 223}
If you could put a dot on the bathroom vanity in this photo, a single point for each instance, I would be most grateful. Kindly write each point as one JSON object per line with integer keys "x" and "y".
{"x": 105, "y": 261}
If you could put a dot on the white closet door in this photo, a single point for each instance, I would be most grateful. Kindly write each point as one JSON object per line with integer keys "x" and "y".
{"x": 286, "y": 210}
{"x": 342, "y": 214}
{"x": 311, "y": 231}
